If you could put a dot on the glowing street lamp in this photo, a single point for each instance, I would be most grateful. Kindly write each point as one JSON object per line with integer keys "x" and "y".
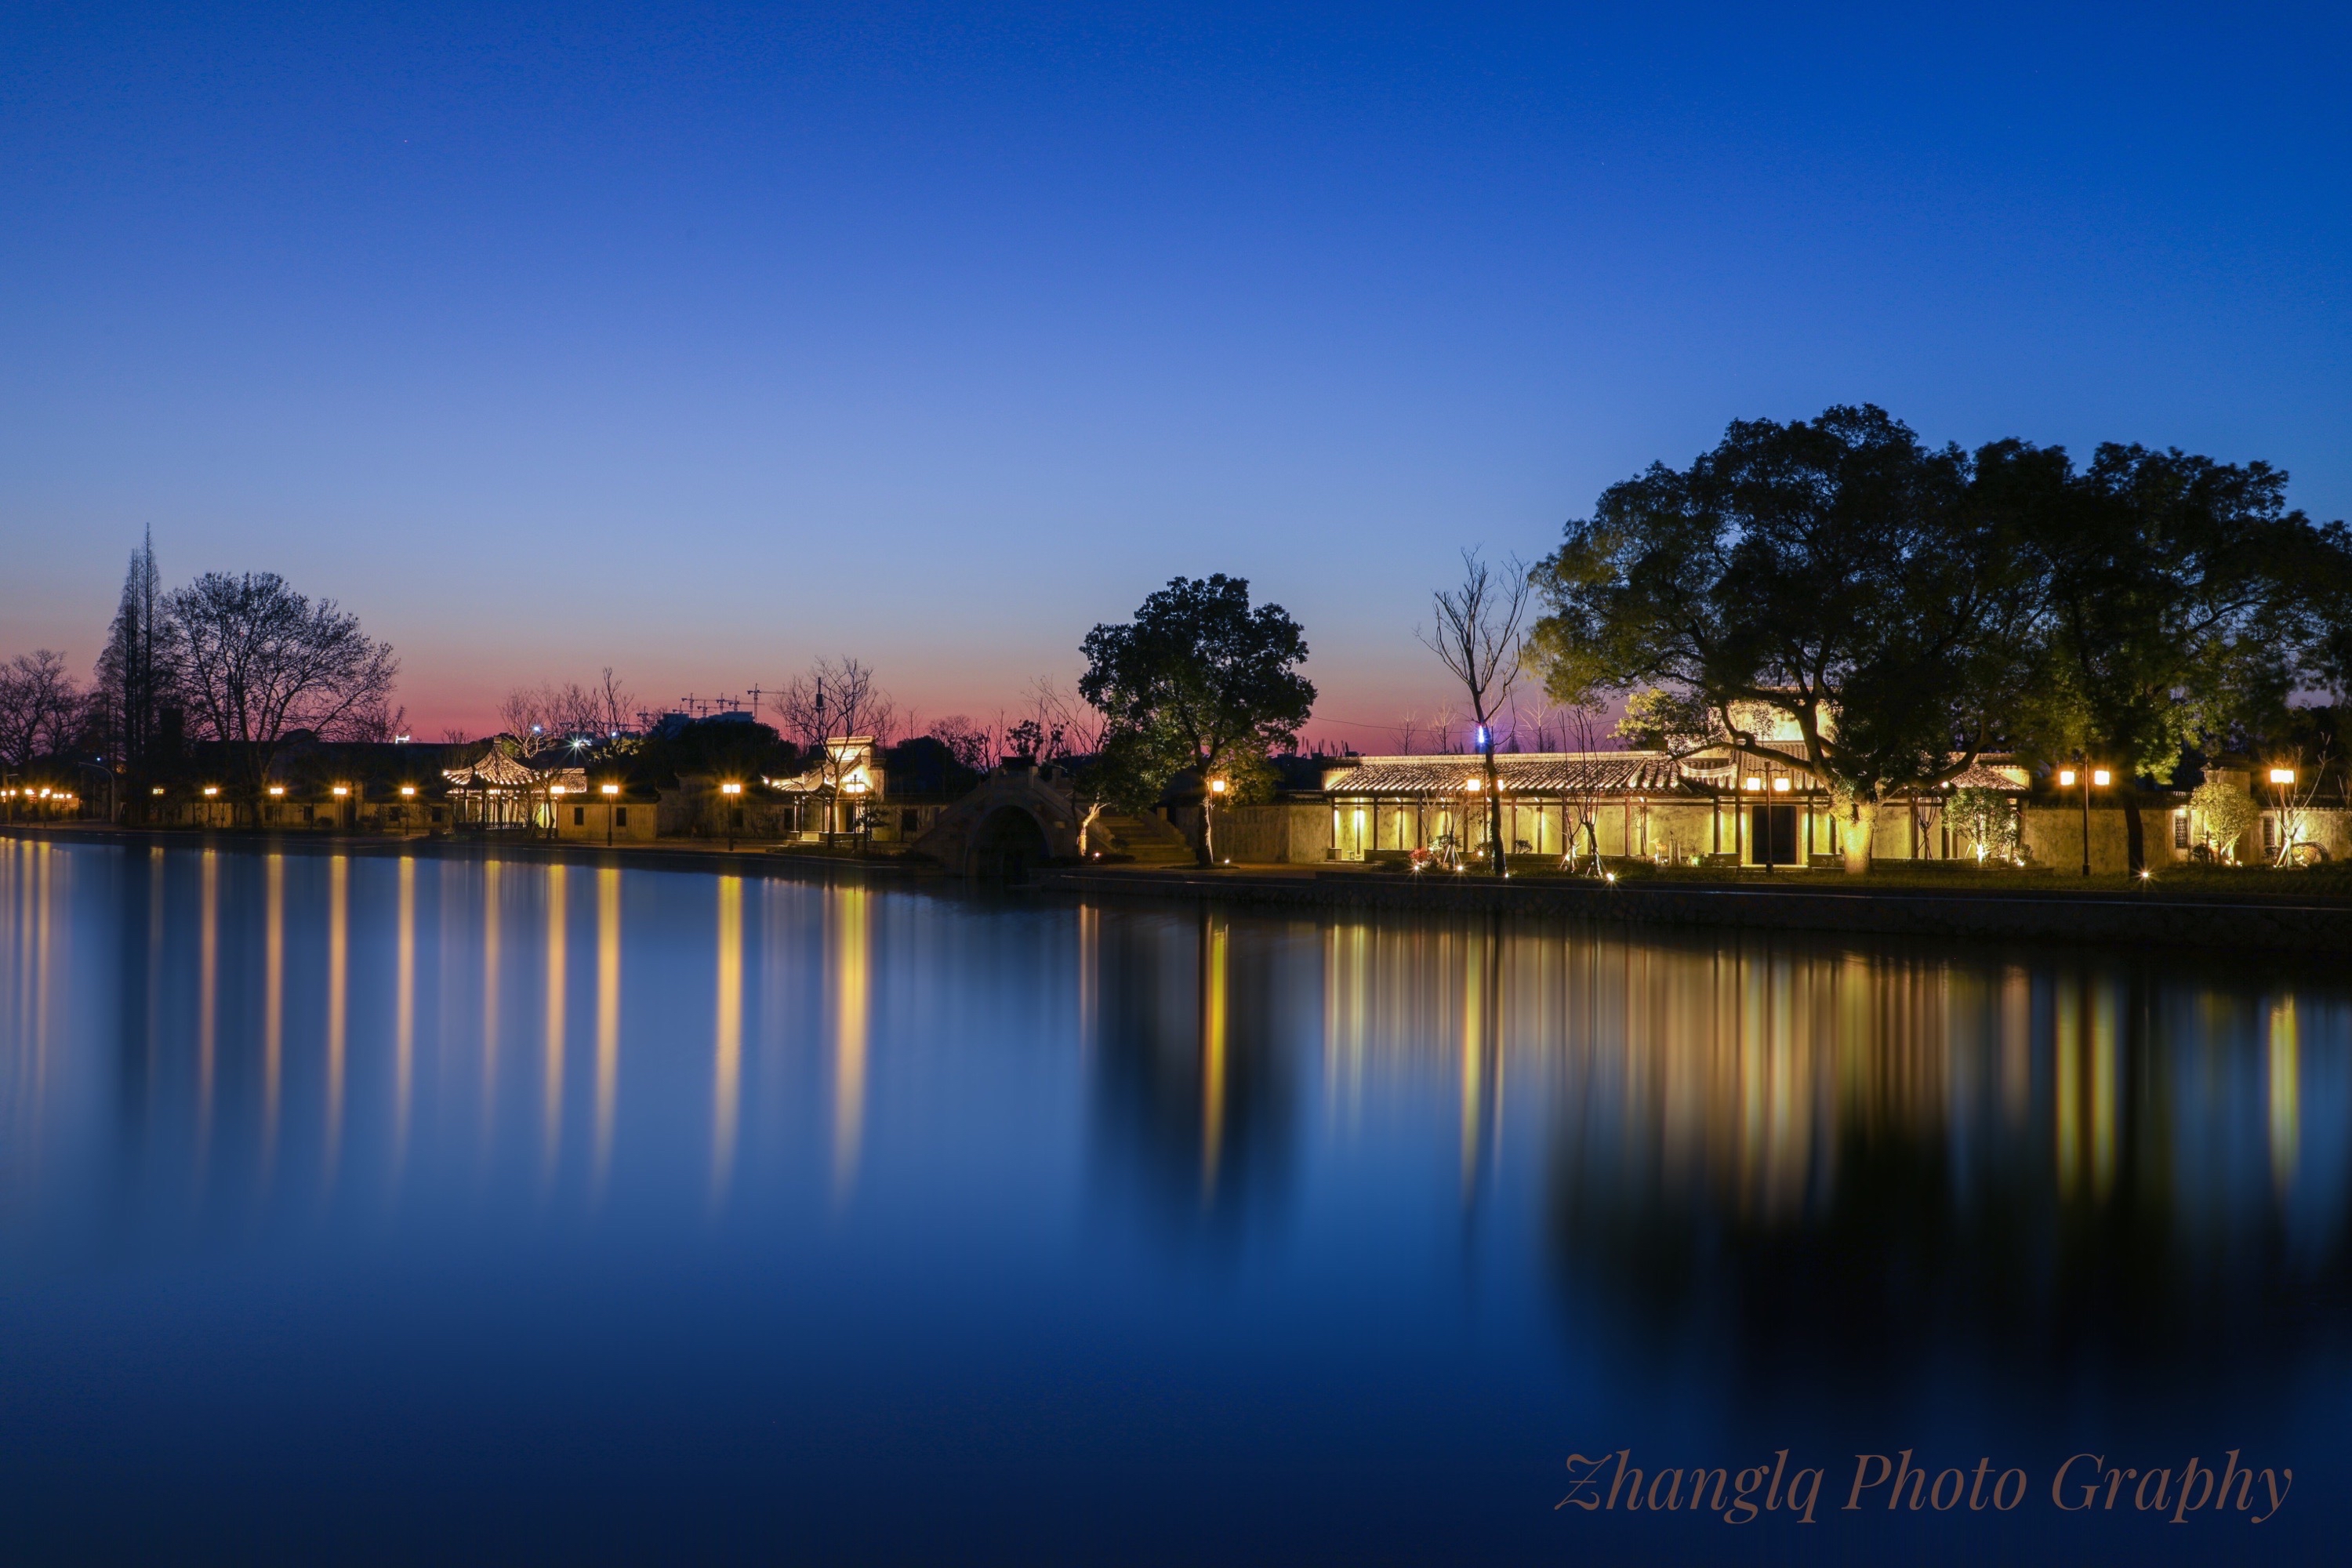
{"x": 2289, "y": 828}
{"x": 610, "y": 789}
{"x": 2099, "y": 777}
{"x": 733, "y": 792}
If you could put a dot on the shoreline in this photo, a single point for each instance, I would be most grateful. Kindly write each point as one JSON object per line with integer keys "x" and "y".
{"x": 755, "y": 859}
{"x": 2254, "y": 924}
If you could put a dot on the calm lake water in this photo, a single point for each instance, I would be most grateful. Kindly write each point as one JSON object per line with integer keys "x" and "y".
{"x": 409, "y": 1207}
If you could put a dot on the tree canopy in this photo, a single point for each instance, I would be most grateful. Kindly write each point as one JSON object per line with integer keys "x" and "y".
{"x": 259, "y": 660}
{"x": 1834, "y": 572}
{"x": 1902, "y": 608}
{"x": 2183, "y": 599}
{"x": 1199, "y": 679}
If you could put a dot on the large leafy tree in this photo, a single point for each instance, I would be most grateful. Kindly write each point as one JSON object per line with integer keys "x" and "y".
{"x": 1199, "y": 679}
{"x": 1833, "y": 572}
{"x": 260, "y": 661}
{"x": 2184, "y": 600}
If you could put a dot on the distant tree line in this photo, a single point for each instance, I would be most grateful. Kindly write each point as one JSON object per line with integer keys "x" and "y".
{"x": 243, "y": 662}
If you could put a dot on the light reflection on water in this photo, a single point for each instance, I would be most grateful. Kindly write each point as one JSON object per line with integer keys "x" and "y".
{"x": 622, "y": 1186}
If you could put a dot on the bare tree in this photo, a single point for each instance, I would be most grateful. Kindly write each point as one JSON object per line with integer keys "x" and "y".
{"x": 379, "y": 722}
{"x": 614, "y": 705}
{"x": 835, "y": 701}
{"x": 40, "y": 709}
{"x": 525, "y": 713}
{"x": 577, "y": 710}
{"x": 1070, "y": 726}
{"x": 966, "y": 743}
{"x": 1478, "y": 638}
{"x": 1409, "y": 732}
{"x": 263, "y": 660}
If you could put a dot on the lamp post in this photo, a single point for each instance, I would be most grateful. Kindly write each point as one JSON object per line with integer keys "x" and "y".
{"x": 731, "y": 793}
{"x": 2282, "y": 789}
{"x": 108, "y": 774}
{"x": 1209, "y": 818}
{"x": 609, "y": 791}
{"x": 2089, "y": 776}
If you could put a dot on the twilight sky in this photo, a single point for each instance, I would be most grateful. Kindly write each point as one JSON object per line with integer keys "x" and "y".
{"x": 701, "y": 341}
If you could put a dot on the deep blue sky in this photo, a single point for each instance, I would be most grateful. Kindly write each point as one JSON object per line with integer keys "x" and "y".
{"x": 701, "y": 341}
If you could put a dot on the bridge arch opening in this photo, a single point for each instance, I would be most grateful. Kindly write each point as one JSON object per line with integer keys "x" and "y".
{"x": 1009, "y": 846}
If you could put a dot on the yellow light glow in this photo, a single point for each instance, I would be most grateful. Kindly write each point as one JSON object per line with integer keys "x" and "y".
{"x": 612, "y": 789}
{"x": 341, "y": 790}
{"x": 1753, "y": 784}
{"x": 209, "y": 790}
{"x": 1217, "y": 786}
{"x": 2282, "y": 776}
{"x": 2065, "y": 778}
{"x": 157, "y": 790}
{"x": 2100, "y": 777}
{"x": 555, "y": 789}
{"x": 407, "y": 790}
{"x": 730, "y": 789}
{"x": 1472, "y": 787}
{"x": 1780, "y": 786}
{"x": 278, "y": 789}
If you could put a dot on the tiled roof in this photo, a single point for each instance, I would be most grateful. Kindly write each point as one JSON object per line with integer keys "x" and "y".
{"x": 1545, "y": 772}
{"x": 493, "y": 770}
{"x": 1594, "y": 772}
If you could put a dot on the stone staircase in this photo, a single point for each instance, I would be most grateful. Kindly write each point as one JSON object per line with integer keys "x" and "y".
{"x": 1145, "y": 840}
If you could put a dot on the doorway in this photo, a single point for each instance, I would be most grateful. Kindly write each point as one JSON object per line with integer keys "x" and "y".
{"x": 1772, "y": 836}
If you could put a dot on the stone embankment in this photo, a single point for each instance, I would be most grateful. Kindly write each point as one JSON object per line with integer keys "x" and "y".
{"x": 2136, "y": 921}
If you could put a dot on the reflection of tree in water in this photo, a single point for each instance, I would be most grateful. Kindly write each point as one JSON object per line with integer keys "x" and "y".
{"x": 1192, "y": 1098}
{"x": 2073, "y": 1173}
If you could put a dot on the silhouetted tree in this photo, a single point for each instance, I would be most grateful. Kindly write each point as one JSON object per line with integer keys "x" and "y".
{"x": 1199, "y": 679}
{"x": 1834, "y": 572}
{"x": 2184, "y": 599}
{"x": 1476, "y": 637}
{"x": 40, "y": 709}
{"x": 138, "y": 673}
{"x": 262, "y": 660}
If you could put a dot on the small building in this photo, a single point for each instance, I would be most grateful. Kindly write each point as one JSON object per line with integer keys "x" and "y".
{"x": 606, "y": 811}
{"x": 1713, "y": 806}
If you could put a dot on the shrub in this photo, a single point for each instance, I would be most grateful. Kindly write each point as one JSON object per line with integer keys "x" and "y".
{"x": 2224, "y": 813}
{"x": 1986, "y": 819}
